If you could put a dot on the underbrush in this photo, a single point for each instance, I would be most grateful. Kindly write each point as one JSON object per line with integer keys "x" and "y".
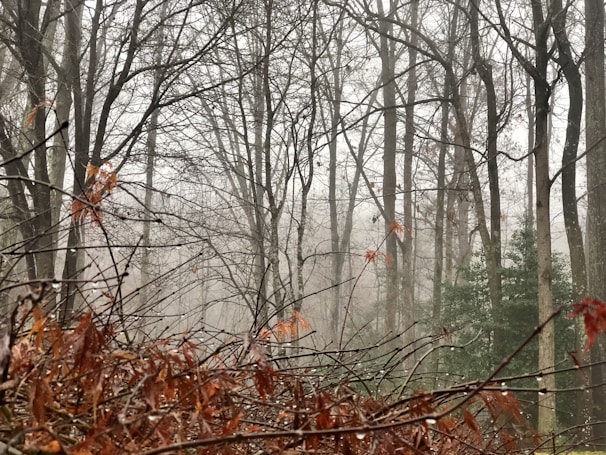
{"x": 80, "y": 391}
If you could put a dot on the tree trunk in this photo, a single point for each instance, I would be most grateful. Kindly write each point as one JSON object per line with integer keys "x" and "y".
{"x": 574, "y": 233}
{"x": 83, "y": 102}
{"x": 16, "y": 189}
{"x": 530, "y": 143}
{"x": 408, "y": 305}
{"x": 306, "y": 181}
{"x": 337, "y": 258}
{"x": 542, "y": 92}
{"x": 493, "y": 248}
{"x": 390, "y": 120}
{"x": 542, "y": 95}
{"x": 595, "y": 130}
{"x": 30, "y": 36}
{"x": 150, "y": 146}
{"x": 439, "y": 222}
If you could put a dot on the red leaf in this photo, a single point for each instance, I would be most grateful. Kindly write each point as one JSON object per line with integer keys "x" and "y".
{"x": 152, "y": 392}
{"x": 232, "y": 425}
{"x": 594, "y": 316}
{"x": 396, "y": 227}
{"x": 79, "y": 210}
{"x": 509, "y": 442}
{"x": 371, "y": 256}
{"x": 264, "y": 380}
{"x": 39, "y": 396}
{"x": 577, "y": 363}
{"x": 324, "y": 420}
{"x": 472, "y": 423}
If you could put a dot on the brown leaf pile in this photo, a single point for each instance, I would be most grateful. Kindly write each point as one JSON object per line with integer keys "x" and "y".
{"x": 79, "y": 393}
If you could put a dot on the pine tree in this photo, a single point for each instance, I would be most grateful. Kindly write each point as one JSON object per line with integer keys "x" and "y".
{"x": 471, "y": 322}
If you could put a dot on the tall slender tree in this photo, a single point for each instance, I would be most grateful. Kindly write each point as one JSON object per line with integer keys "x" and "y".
{"x": 387, "y": 53}
{"x": 595, "y": 132}
{"x": 541, "y": 24}
{"x": 574, "y": 233}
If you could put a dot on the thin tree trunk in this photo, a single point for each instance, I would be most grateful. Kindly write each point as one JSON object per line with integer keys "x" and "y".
{"x": 16, "y": 189}
{"x": 408, "y": 305}
{"x": 574, "y": 233}
{"x": 30, "y": 36}
{"x": 439, "y": 222}
{"x": 307, "y": 181}
{"x": 530, "y": 167}
{"x": 493, "y": 248}
{"x": 150, "y": 146}
{"x": 447, "y": 94}
{"x": 337, "y": 259}
{"x": 83, "y": 102}
{"x": 542, "y": 92}
{"x": 388, "y": 60}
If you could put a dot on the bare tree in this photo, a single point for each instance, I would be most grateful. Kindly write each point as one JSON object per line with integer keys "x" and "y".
{"x": 408, "y": 295}
{"x": 541, "y": 22}
{"x": 595, "y": 130}
{"x": 387, "y": 53}
{"x": 574, "y": 234}
{"x": 29, "y": 26}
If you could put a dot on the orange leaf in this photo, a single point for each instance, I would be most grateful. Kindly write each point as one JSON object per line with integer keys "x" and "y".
{"x": 169, "y": 381}
{"x": 94, "y": 198}
{"x": 232, "y": 425}
{"x": 38, "y": 326}
{"x": 387, "y": 259}
{"x": 209, "y": 390}
{"x": 396, "y": 227}
{"x": 52, "y": 447}
{"x": 80, "y": 452}
{"x": 285, "y": 328}
{"x": 112, "y": 182}
{"x": 264, "y": 334}
{"x": 123, "y": 355}
{"x": 79, "y": 210}
{"x": 298, "y": 318}
{"x": 371, "y": 256}
{"x": 447, "y": 425}
{"x": 324, "y": 420}
{"x": 91, "y": 171}
{"x": 31, "y": 116}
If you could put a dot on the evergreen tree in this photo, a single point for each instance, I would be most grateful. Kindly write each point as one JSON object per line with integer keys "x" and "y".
{"x": 472, "y": 322}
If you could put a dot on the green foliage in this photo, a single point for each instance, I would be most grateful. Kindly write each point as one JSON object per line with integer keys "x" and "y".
{"x": 472, "y": 321}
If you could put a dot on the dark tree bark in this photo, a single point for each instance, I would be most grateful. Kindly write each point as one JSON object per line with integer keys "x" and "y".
{"x": 390, "y": 119}
{"x": 595, "y": 131}
{"x": 83, "y": 96}
{"x": 408, "y": 305}
{"x": 493, "y": 247}
{"x": 574, "y": 233}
